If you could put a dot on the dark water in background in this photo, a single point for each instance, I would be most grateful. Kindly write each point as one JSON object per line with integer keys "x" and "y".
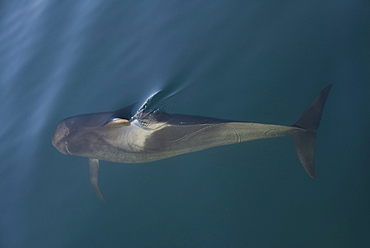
{"x": 244, "y": 60}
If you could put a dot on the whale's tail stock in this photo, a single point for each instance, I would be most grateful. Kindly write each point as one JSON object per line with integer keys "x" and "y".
{"x": 305, "y": 140}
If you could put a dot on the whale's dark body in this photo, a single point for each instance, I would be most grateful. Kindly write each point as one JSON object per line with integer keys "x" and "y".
{"x": 152, "y": 135}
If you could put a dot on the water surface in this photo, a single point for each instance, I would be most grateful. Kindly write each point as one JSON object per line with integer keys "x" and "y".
{"x": 243, "y": 60}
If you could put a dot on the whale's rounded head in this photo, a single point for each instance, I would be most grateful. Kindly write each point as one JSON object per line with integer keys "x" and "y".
{"x": 59, "y": 138}
{"x": 75, "y": 135}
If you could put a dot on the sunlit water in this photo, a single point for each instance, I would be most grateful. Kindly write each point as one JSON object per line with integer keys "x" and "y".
{"x": 251, "y": 61}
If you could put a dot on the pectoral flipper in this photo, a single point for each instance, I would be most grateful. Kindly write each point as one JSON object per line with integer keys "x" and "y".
{"x": 94, "y": 176}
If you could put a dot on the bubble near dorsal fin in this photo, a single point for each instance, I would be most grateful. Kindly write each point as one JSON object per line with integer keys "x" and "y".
{"x": 119, "y": 121}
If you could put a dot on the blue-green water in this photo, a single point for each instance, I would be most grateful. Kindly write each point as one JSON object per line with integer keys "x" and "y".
{"x": 258, "y": 61}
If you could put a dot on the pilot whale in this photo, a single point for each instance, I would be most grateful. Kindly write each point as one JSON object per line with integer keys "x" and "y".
{"x": 150, "y": 135}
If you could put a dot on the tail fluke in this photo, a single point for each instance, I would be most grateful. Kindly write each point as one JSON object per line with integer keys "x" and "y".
{"x": 311, "y": 117}
{"x": 305, "y": 140}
